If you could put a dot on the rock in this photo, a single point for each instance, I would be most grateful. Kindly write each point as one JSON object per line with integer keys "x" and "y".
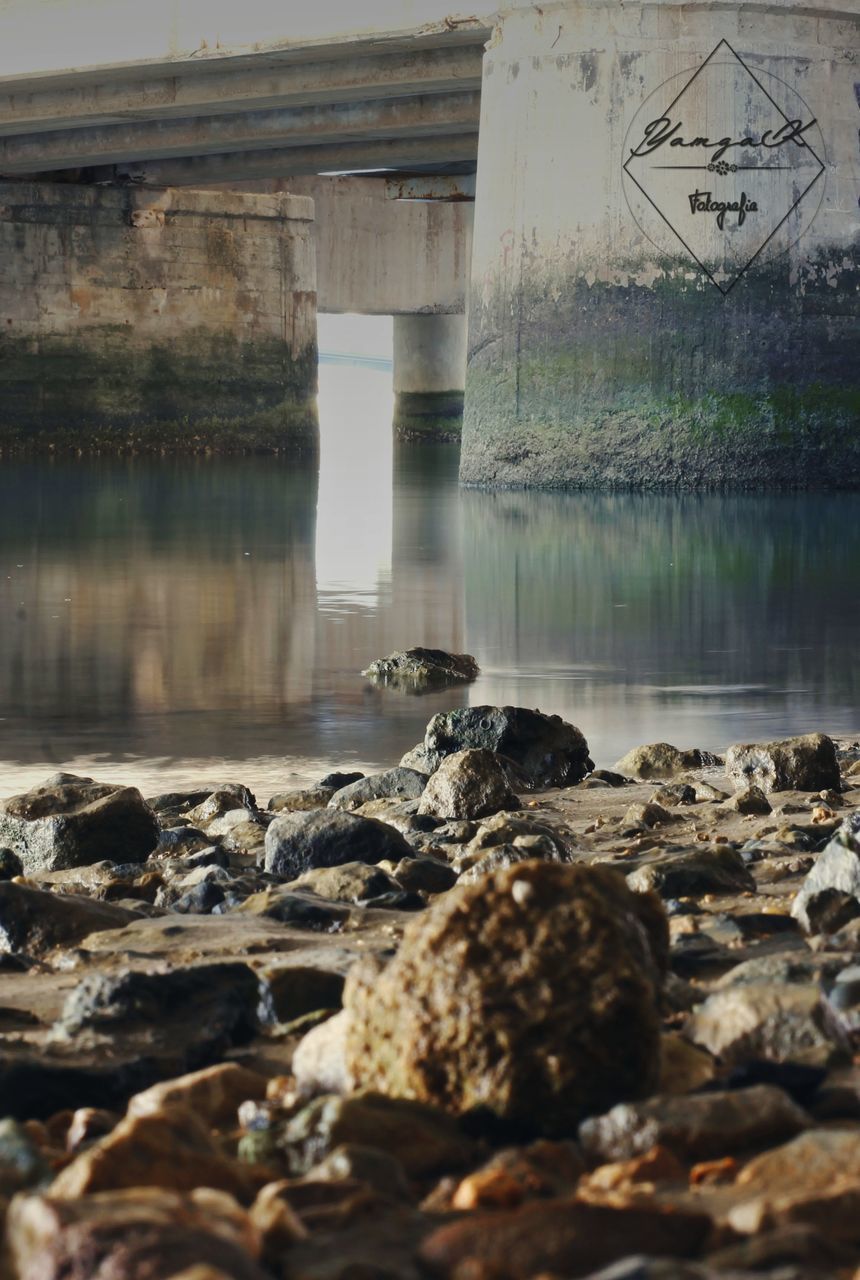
{"x": 661, "y": 760}
{"x": 22, "y": 1164}
{"x": 31, "y": 921}
{"x": 213, "y": 1094}
{"x": 299, "y": 842}
{"x": 547, "y": 751}
{"x": 683, "y": 1066}
{"x": 775, "y": 1022}
{"x": 646, "y": 815}
{"x": 339, "y": 779}
{"x": 503, "y": 856}
{"x": 424, "y": 875}
{"x": 350, "y": 882}
{"x": 299, "y": 985}
{"x": 10, "y": 865}
{"x": 712, "y": 869}
{"x": 453, "y": 1018}
{"x": 699, "y": 1126}
{"x": 169, "y": 1149}
{"x": 813, "y": 1179}
{"x": 76, "y": 821}
{"x": 421, "y": 1138}
{"x": 397, "y": 783}
{"x": 414, "y": 670}
{"x": 301, "y": 801}
{"x": 301, "y": 910}
{"x": 806, "y": 763}
{"x": 319, "y": 1062}
{"x": 468, "y": 784}
{"x": 674, "y": 793}
{"x": 362, "y": 1164}
{"x": 560, "y": 1237}
{"x": 830, "y": 895}
{"x": 748, "y": 801}
{"x": 541, "y": 1170}
{"x": 223, "y": 800}
{"x": 141, "y": 1234}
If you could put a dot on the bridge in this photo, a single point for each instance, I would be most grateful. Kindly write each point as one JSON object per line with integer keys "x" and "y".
{"x": 183, "y": 184}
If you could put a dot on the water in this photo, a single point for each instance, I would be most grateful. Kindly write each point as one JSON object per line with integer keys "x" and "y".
{"x": 176, "y": 621}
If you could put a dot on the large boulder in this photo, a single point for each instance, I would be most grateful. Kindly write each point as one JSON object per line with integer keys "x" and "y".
{"x": 830, "y": 895}
{"x": 807, "y": 763}
{"x": 547, "y": 751}
{"x": 71, "y": 822}
{"x": 299, "y": 842}
{"x": 419, "y": 669}
{"x": 468, "y": 784}
{"x": 532, "y": 995}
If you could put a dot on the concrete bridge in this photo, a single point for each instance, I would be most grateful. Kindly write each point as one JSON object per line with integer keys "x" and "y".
{"x": 183, "y": 184}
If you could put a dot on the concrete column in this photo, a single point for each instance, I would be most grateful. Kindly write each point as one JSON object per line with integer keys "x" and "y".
{"x": 621, "y": 331}
{"x": 429, "y": 376}
{"x": 155, "y": 319}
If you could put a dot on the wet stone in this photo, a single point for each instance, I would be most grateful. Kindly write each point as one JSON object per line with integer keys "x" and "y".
{"x": 296, "y": 843}
{"x": 661, "y": 760}
{"x": 419, "y": 669}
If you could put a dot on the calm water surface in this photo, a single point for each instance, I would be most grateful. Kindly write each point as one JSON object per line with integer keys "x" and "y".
{"x": 164, "y": 622}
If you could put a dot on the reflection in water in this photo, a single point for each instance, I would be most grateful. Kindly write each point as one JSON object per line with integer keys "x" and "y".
{"x": 176, "y": 620}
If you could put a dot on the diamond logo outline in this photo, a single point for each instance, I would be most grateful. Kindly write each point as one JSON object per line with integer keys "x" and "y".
{"x": 726, "y": 289}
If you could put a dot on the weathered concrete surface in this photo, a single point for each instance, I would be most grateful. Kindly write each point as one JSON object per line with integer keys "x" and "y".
{"x": 599, "y": 359}
{"x": 146, "y": 319}
{"x": 378, "y": 256}
{"x": 429, "y": 376}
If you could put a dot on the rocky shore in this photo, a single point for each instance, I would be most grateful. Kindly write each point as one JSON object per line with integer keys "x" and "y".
{"x": 490, "y": 1014}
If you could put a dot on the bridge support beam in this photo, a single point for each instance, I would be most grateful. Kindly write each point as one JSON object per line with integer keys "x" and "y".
{"x": 602, "y": 353}
{"x": 429, "y": 376}
{"x": 154, "y": 319}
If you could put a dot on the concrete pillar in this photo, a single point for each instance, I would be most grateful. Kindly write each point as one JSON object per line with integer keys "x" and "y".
{"x": 154, "y": 319}
{"x": 429, "y": 376}
{"x": 622, "y": 332}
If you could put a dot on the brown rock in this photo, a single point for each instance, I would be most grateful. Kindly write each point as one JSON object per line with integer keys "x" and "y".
{"x": 814, "y": 1179}
{"x": 32, "y": 922}
{"x": 531, "y": 993}
{"x": 806, "y": 763}
{"x": 468, "y": 784}
{"x": 563, "y": 1237}
{"x": 140, "y": 1234}
{"x": 214, "y": 1094}
{"x": 171, "y": 1150}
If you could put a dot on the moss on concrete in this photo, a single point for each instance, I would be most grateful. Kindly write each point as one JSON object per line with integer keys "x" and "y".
{"x": 204, "y": 393}
{"x": 428, "y": 416}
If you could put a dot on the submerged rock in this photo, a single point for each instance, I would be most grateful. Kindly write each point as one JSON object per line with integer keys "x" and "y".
{"x": 806, "y": 763}
{"x": 468, "y": 784}
{"x": 71, "y": 822}
{"x": 531, "y": 994}
{"x": 414, "y": 670}
{"x": 546, "y": 750}
{"x": 298, "y": 842}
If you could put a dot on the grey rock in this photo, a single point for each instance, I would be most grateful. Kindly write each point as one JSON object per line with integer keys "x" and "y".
{"x": 674, "y": 793}
{"x": 425, "y": 875}
{"x": 339, "y": 779}
{"x": 301, "y": 801}
{"x": 830, "y": 895}
{"x": 775, "y": 1022}
{"x": 696, "y": 1126}
{"x": 363, "y": 1164}
{"x": 76, "y": 822}
{"x": 416, "y": 670}
{"x": 806, "y": 763}
{"x": 397, "y": 783}
{"x": 503, "y": 856}
{"x": 32, "y": 922}
{"x": 748, "y": 801}
{"x": 468, "y": 784}
{"x": 298, "y": 842}
{"x": 714, "y": 869}
{"x": 424, "y": 1139}
{"x": 545, "y": 749}
{"x": 319, "y": 1062}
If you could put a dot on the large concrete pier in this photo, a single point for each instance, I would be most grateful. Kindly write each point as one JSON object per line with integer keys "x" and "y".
{"x": 602, "y": 353}
{"x": 156, "y": 319}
